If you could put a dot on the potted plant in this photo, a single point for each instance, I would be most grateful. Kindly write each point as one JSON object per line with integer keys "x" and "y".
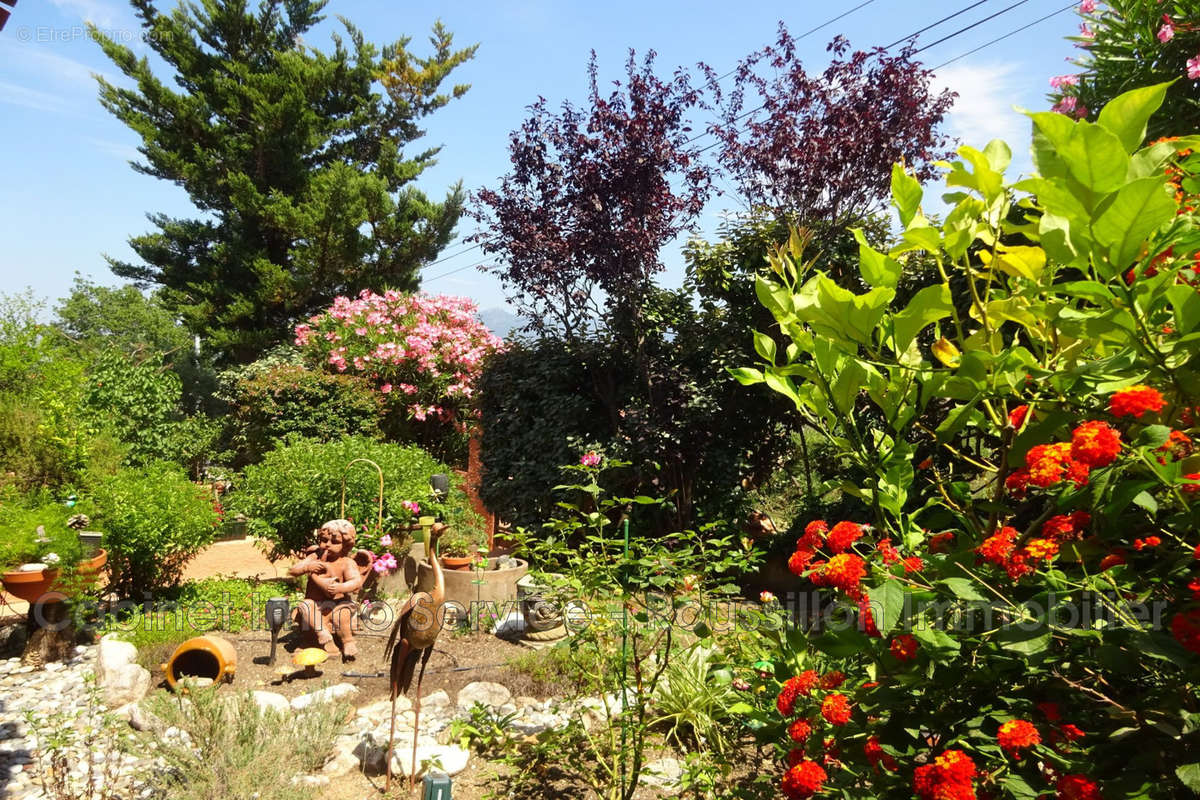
{"x": 458, "y": 549}
{"x": 40, "y": 553}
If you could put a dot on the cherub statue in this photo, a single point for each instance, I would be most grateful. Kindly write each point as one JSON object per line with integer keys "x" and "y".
{"x": 333, "y": 576}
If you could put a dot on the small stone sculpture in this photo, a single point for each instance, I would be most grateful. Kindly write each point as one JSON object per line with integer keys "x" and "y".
{"x": 333, "y": 577}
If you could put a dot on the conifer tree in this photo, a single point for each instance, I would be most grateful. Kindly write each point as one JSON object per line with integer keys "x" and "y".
{"x": 296, "y": 159}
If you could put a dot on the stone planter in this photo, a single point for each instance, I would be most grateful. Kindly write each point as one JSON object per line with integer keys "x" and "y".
{"x": 465, "y": 588}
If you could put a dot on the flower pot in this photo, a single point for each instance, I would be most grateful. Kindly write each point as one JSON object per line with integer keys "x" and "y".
{"x": 30, "y": 585}
{"x": 206, "y": 656}
{"x": 457, "y": 562}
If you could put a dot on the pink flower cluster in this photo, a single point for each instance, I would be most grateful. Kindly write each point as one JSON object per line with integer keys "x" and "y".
{"x": 590, "y": 460}
{"x": 424, "y": 350}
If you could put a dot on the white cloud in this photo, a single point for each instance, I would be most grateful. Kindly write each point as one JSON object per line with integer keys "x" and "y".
{"x": 125, "y": 152}
{"x": 99, "y": 12}
{"x": 15, "y": 95}
{"x": 984, "y": 109}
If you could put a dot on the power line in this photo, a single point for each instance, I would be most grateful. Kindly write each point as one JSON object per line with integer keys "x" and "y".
{"x": 935, "y": 24}
{"x": 1005, "y": 36}
{"x": 452, "y": 255}
{"x": 950, "y": 36}
{"x": 451, "y": 272}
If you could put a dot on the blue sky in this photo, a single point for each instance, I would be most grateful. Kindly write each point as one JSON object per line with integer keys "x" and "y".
{"x": 68, "y": 195}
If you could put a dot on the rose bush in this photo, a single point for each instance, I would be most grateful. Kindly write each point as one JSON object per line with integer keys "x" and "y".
{"x": 422, "y": 352}
{"x": 1020, "y": 596}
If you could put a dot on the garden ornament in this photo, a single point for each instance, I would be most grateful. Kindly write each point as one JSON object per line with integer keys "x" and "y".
{"x": 412, "y": 639}
{"x": 277, "y": 614}
{"x": 309, "y": 658}
{"x": 333, "y": 577}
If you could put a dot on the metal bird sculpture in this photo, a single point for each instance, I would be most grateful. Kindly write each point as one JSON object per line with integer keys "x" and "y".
{"x": 410, "y": 641}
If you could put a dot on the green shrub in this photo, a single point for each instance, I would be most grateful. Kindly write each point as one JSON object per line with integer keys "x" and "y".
{"x": 538, "y": 409}
{"x": 44, "y": 440}
{"x": 140, "y": 402}
{"x": 154, "y": 519}
{"x": 298, "y": 487}
{"x": 286, "y": 400}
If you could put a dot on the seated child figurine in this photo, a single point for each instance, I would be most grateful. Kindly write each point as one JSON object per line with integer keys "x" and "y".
{"x": 333, "y": 576}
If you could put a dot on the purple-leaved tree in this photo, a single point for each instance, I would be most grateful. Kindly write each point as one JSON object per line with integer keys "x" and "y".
{"x": 820, "y": 147}
{"x": 593, "y": 196}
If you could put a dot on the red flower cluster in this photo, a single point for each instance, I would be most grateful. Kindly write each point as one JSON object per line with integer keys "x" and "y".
{"x": 1135, "y": 401}
{"x": 844, "y": 571}
{"x": 1096, "y": 443}
{"x": 1016, "y": 417}
{"x": 876, "y": 756}
{"x": 843, "y": 536}
{"x": 1076, "y": 787}
{"x": 1149, "y": 541}
{"x": 1001, "y": 547}
{"x": 832, "y": 680}
{"x": 803, "y": 780}
{"x": 904, "y": 647}
{"x": 941, "y": 542}
{"x": 1113, "y": 559}
{"x": 799, "y": 730}
{"x": 793, "y": 687}
{"x": 947, "y": 778}
{"x": 1185, "y": 627}
{"x": 835, "y": 708}
{"x": 1046, "y": 465}
{"x": 1017, "y": 735}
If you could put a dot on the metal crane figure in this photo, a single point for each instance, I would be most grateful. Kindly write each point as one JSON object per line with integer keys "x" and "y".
{"x": 411, "y": 640}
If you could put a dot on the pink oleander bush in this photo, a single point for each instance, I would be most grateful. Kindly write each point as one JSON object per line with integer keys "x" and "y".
{"x": 422, "y": 352}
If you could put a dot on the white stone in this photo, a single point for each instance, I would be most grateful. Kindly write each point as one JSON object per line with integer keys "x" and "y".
{"x": 536, "y": 722}
{"x": 339, "y": 691}
{"x": 124, "y": 684}
{"x": 341, "y": 763}
{"x": 511, "y": 624}
{"x": 272, "y": 701}
{"x": 113, "y": 654}
{"x": 371, "y": 750}
{"x": 381, "y": 709}
{"x": 663, "y": 773}
{"x": 438, "y": 758}
{"x": 435, "y": 702}
{"x": 486, "y": 693}
{"x": 311, "y": 781}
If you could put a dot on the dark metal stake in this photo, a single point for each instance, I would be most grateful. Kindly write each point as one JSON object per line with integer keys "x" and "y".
{"x": 277, "y": 614}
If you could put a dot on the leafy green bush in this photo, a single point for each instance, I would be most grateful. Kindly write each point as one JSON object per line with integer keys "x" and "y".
{"x": 139, "y": 401}
{"x": 285, "y": 400}
{"x": 1021, "y": 616}
{"x": 538, "y": 409}
{"x": 44, "y": 440}
{"x": 154, "y": 519}
{"x": 297, "y": 487}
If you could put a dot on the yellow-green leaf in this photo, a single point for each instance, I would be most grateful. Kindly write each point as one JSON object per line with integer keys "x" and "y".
{"x": 946, "y": 352}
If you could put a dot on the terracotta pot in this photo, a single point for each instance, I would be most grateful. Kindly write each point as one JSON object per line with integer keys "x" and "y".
{"x": 457, "y": 562}
{"x": 201, "y": 657}
{"x": 29, "y": 586}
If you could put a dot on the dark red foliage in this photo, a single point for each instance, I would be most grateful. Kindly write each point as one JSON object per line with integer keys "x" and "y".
{"x": 821, "y": 147}
{"x": 593, "y": 196}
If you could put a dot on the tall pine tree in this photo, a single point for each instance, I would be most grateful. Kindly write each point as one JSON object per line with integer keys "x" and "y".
{"x": 294, "y": 157}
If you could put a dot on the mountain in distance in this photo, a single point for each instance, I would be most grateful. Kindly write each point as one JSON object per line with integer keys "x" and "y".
{"x": 500, "y": 321}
